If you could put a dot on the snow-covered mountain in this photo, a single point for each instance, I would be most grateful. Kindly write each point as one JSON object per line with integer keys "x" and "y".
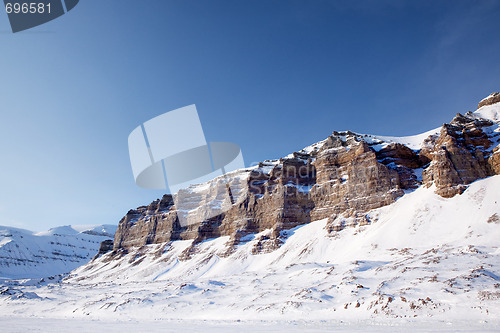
{"x": 25, "y": 254}
{"x": 355, "y": 227}
{"x": 424, "y": 256}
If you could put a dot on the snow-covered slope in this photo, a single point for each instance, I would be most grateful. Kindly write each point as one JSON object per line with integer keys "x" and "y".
{"x": 491, "y": 112}
{"x": 423, "y": 256}
{"x": 24, "y": 254}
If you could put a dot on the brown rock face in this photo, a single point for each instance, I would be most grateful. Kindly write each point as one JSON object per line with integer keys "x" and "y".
{"x": 140, "y": 226}
{"x": 459, "y": 155}
{"x": 350, "y": 178}
{"x": 494, "y": 162}
{"x": 491, "y": 99}
{"x": 105, "y": 247}
{"x": 344, "y": 176}
{"x": 341, "y": 179}
{"x": 404, "y": 160}
{"x": 399, "y": 154}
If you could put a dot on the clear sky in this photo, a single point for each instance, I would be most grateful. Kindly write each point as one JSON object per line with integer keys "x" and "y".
{"x": 270, "y": 75}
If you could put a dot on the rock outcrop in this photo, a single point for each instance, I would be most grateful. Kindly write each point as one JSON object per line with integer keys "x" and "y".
{"x": 490, "y": 100}
{"x": 494, "y": 161}
{"x": 459, "y": 156}
{"x": 350, "y": 178}
{"x": 340, "y": 178}
{"x": 105, "y": 247}
{"x": 343, "y": 176}
{"x": 150, "y": 224}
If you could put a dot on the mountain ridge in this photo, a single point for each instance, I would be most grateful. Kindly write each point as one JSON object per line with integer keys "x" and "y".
{"x": 343, "y": 176}
{"x": 25, "y": 254}
{"x": 423, "y": 256}
{"x": 358, "y": 227}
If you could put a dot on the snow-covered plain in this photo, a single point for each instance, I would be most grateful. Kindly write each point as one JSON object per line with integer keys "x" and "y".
{"x": 211, "y": 326}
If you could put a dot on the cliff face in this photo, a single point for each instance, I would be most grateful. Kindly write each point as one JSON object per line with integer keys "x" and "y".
{"x": 461, "y": 154}
{"x": 340, "y": 178}
{"x": 343, "y": 175}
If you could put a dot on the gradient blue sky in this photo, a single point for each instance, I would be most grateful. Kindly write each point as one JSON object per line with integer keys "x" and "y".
{"x": 272, "y": 76}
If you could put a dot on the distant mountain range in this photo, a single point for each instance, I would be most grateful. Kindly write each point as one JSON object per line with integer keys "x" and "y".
{"x": 25, "y": 254}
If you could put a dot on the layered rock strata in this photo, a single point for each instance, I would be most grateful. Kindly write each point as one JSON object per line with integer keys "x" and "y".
{"x": 460, "y": 154}
{"x": 340, "y": 178}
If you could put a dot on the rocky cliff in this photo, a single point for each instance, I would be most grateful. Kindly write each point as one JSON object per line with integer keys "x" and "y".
{"x": 490, "y": 100}
{"x": 340, "y": 178}
{"x": 460, "y": 154}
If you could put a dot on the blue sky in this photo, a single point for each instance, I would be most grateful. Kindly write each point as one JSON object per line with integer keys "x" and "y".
{"x": 272, "y": 76}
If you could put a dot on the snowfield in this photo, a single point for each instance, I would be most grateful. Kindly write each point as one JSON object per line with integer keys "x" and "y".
{"x": 211, "y": 326}
{"x": 25, "y": 254}
{"x": 424, "y": 260}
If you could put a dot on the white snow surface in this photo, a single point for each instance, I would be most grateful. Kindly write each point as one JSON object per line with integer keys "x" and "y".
{"x": 30, "y": 324}
{"x": 413, "y": 141}
{"x": 28, "y": 255}
{"x": 422, "y": 259}
{"x": 491, "y": 112}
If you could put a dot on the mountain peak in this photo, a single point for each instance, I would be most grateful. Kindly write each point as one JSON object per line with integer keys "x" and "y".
{"x": 28, "y": 255}
{"x": 354, "y": 225}
{"x": 491, "y": 99}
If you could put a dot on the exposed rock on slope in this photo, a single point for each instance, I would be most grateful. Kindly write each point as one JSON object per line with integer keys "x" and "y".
{"x": 426, "y": 256}
{"x": 490, "y": 100}
{"x": 343, "y": 176}
{"x": 460, "y": 155}
{"x": 301, "y": 242}
{"x": 340, "y": 178}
